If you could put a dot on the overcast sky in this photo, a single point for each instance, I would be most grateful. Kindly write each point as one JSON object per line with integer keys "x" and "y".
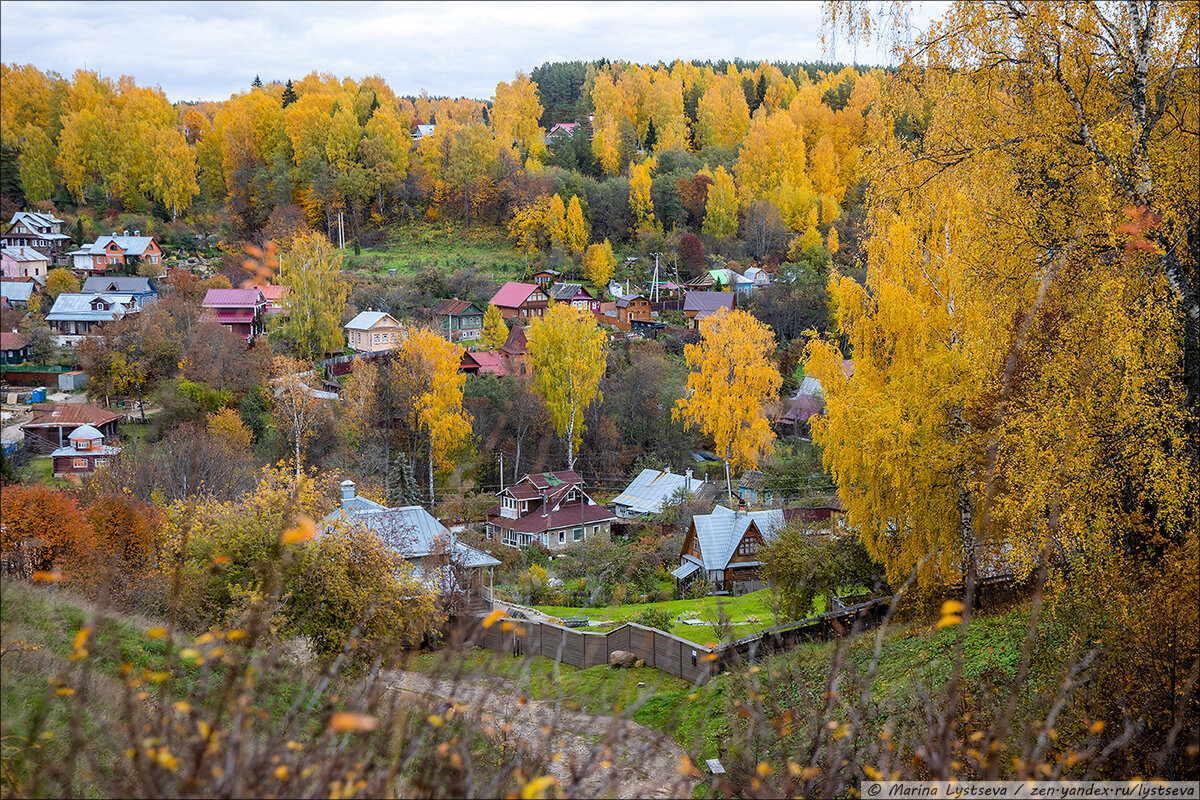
{"x": 210, "y": 50}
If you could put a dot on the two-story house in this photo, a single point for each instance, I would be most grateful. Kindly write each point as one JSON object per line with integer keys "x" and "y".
{"x": 546, "y": 278}
{"x": 520, "y": 300}
{"x": 116, "y": 252}
{"x": 37, "y": 231}
{"x": 724, "y": 547}
{"x": 632, "y": 307}
{"x": 697, "y": 306}
{"x": 240, "y": 310}
{"x": 576, "y": 295}
{"x": 76, "y": 314}
{"x": 550, "y": 509}
{"x": 142, "y": 289}
{"x": 84, "y": 452}
{"x": 459, "y": 320}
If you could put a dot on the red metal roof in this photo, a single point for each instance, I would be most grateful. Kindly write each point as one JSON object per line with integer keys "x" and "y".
{"x": 12, "y": 341}
{"x": 233, "y": 298}
{"x": 486, "y": 362}
{"x": 512, "y": 295}
{"x": 55, "y": 415}
{"x": 577, "y": 514}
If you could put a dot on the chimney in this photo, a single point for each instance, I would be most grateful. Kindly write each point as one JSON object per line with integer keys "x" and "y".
{"x": 137, "y": 233}
{"x": 125, "y": 233}
{"x": 347, "y": 492}
{"x": 688, "y": 478}
{"x": 667, "y": 469}
{"x": 544, "y": 503}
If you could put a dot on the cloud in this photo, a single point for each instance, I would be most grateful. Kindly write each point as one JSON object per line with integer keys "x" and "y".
{"x": 211, "y": 50}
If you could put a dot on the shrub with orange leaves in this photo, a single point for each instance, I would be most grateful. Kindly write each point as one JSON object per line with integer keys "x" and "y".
{"x": 46, "y": 526}
{"x": 127, "y": 528}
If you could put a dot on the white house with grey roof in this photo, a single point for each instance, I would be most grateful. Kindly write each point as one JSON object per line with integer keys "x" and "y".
{"x": 373, "y": 332}
{"x": 74, "y": 315}
{"x": 415, "y": 534}
{"x": 723, "y": 546}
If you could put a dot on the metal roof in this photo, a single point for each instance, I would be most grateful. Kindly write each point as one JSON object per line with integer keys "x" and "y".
{"x": 78, "y": 307}
{"x": 718, "y": 533}
{"x": 98, "y": 284}
{"x": 708, "y": 302}
{"x": 410, "y": 531}
{"x": 369, "y": 319}
{"x": 24, "y": 254}
{"x": 131, "y": 245}
{"x": 17, "y": 290}
{"x": 651, "y": 488}
{"x": 513, "y": 294}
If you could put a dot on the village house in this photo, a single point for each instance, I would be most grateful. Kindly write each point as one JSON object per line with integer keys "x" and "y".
{"x": 566, "y": 129}
{"x": 141, "y": 289}
{"x": 459, "y": 320}
{"x": 14, "y": 348}
{"x": 36, "y": 231}
{"x": 723, "y": 547}
{"x": 697, "y": 306}
{"x": 632, "y": 307}
{"x": 550, "y": 509}
{"x": 24, "y": 262}
{"x": 277, "y": 298}
{"x": 520, "y": 300}
{"x": 17, "y": 294}
{"x": 76, "y": 314}
{"x": 242, "y": 311}
{"x": 576, "y": 295}
{"x": 652, "y": 489}
{"x": 51, "y": 425}
{"x": 545, "y": 278}
{"x": 444, "y": 562}
{"x": 84, "y": 452}
{"x": 476, "y": 362}
{"x": 750, "y": 488}
{"x": 374, "y": 332}
{"x": 116, "y": 252}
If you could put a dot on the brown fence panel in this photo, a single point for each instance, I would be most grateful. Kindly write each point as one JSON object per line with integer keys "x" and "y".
{"x": 572, "y": 651}
{"x": 666, "y": 653}
{"x": 531, "y": 642}
{"x": 618, "y": 639}
{"x": 641, "y": 643}
{"x": 552, "y": 640}
{"x": 595, "y": 649}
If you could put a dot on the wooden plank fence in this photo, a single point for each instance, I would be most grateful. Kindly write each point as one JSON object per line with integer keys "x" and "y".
{"x": 664, "y": 651}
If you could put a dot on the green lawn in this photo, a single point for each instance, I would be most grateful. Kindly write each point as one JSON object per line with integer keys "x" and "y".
{"x": 40, "y": 470}
{"x": 448, "y": 246}
{"x": 754, "y": 608}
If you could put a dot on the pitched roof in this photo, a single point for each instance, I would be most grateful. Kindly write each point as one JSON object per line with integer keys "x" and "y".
{"x": 563, "y": 292}
{"x": 651, "y": 488}
{"x": 487, "y": 362}
{"x": 410, "y": 531}
{"x": 515, "y": 344}
{"x": 98, "y": 284}
{"x": 752, "y": 479}
{"x": 13, "y": 341}
{"x": 803, "y": 407}
{"x": 85, "y": 432}
{"x": 20, "y": 291}
{"x": 718, "y": 533}
{"x": 624, "y": 300}
{"x": 24, "y": 254}
{"x": 705, "y": 303}
{"x": 369, "y": 319}
{"x": 547, "y": 480}
{"x": 233, "y": 298}
{"x": 78, "y": 307}
{"x": 575, "y": 514}
{"x": 55, "y": 415}
{"x": 455, "y": 307}
{"x": 131, "y": 245}
{"x": 36, "y": 218}
{"x": 513, "y": 294}
{"x": 273, "y": 291}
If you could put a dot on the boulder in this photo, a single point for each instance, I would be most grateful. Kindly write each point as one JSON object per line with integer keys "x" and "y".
{"x": 621, "y": 658}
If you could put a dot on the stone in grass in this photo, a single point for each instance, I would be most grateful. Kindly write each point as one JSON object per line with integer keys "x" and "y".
{"x": 621, "y": 658}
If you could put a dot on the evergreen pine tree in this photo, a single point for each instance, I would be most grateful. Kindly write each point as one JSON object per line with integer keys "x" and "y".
{"x": 257, "y": 83}
{"x": 651, "y": 138}
{"x": 289, "y": 94}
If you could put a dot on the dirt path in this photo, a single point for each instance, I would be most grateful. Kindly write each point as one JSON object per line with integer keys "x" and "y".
{"x": 614, "y": 757}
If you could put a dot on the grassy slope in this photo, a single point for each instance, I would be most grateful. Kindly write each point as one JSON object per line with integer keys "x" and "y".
{"x": 752, "y": 607}
{"x": 448, "y": 245}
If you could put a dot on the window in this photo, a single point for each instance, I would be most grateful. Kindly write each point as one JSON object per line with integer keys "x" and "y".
{"x": 101, "y": 462}
{"x": 562, "y": 537}
{"x": 578, "y": 532}
{"x": 81, "y": 444}
{"x": 377, "y": 338}
{"x": 79, "y": 463}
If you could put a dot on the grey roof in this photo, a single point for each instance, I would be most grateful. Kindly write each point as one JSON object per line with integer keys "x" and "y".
{"x": 17, "y": 290}
{"x": 103, "y": 450}
{"x": 133, "y": 245}
{"x": 651, "y": 488}
{"x": 810, "y": 386}
{"x": 78, "y": 307}
{"x": 685, "y": 569}
{"x": 35, "y": 218}
{"x": 23, "y": 253}
{"x": 707, "y": 302}
{"x": 99, "y": 284}
{"x": 409, "y": 530}
{"x": 565, "y": 291}
{"x": 720, "y": 531}
{"x": 367, "y": 319}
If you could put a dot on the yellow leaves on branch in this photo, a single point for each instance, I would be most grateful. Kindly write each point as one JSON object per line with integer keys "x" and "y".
{"x": 732, "y": 379}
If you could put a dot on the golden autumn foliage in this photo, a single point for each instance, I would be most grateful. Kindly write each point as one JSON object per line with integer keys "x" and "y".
{"x": 599, "y": 262}
{"x": 732, "y": 379}
{"x": 495, "y": 331}
{"x": 50, "y": 521}
{"x": 566, "y": 349}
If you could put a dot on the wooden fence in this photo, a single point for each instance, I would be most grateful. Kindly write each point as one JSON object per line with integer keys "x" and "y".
{"x": 693, "y": 662}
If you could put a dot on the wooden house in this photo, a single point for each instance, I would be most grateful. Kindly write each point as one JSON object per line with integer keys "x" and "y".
{"x": 459, "y": 320}
{"x": 515, "y": 351}
{"x": 697, "y": 306}
{"x": 14, "y": 348}
{"x": 632, "y": 307}
{"x": 520, "y": 300}
{"x": 84, "y": 452}
{"x": 37, "y": 231}
{"x": 575, "y": 295}
{"x": 374, "y": 332}
{"x": 724, "y": 547}
{"x": 51, "y": 425}
{"x": 240, "y": 310}
{"x": 550, "y": 509}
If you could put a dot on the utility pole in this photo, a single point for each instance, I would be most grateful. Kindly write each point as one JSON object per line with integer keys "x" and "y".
{"x": 654, "y": 288}
{"x": 500, "y": 455}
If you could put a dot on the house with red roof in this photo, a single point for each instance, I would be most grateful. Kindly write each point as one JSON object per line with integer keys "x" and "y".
{"x": 482, "y": 362}
{"x": 277, "y": 298}
{"x": 515, "y": 352}
{"x": 51, "y": 425}
{"x": 520, "y": 300}
{"x": 550, "y": 509}
{"x": 240, "y": 310}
